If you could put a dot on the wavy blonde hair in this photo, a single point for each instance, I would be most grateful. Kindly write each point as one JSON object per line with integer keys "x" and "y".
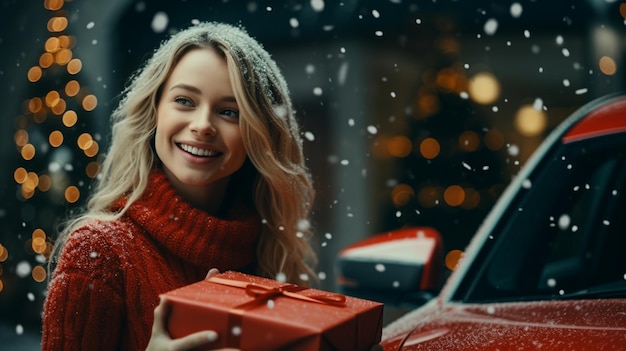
{"x": 282, "y": 187}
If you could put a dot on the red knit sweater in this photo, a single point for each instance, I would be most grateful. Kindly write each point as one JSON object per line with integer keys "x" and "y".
{"x": 109, "y": 274}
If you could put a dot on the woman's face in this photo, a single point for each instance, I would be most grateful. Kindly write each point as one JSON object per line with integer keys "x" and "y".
{"x": 197, "y": 136}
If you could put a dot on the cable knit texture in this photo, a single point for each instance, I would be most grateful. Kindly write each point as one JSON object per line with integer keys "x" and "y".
{"x": 109, "y": 275}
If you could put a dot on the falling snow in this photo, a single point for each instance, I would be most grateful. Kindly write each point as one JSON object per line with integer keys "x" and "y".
{"x": 317, "y": 5}
{"x": 309, "y": 136}
{"x": 323, "y": 81}
{"x": 159, "y": 22}
{"x": 516, "y": 10}
{"x": 23, "y": 269}
{"x": 564, "y": 222}
{"x": 491, "y": 26}
{"x": 281, "y": 277}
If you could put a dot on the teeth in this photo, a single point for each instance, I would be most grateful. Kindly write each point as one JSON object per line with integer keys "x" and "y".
{"x": 198, "y": 152}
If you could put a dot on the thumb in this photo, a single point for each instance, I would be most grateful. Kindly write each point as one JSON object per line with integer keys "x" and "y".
{"x": 160, "y": 312}
{"x": 212, "y": 272}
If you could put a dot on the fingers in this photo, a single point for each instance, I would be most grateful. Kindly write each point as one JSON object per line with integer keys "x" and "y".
{"x": 160, "y": 339}
{"x": 194, "y": 340}
{"x": 212, "y": 272}
{"x": 160, "y": 312}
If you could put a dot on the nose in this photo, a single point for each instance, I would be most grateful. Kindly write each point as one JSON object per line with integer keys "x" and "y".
{"x": 202, "y": 124}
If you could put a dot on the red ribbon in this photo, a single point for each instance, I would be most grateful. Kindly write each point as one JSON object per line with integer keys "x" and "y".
{"x": 262, "y": 294}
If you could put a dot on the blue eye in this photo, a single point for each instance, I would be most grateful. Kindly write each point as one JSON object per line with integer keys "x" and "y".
{"x": 230, "y": 113}
{"x": 183, "y": 101}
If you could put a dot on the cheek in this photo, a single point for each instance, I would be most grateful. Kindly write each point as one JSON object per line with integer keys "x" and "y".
{"x": 160, "y": 137}
{"x": 158, "y": 143}
{"x": 235, "y": 144}
{"x": 241, "y": 150}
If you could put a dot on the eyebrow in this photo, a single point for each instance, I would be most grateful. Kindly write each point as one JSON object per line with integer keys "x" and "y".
{"x": 195, "y": 90}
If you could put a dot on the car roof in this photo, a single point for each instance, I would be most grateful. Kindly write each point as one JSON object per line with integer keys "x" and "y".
{"x": 608, "y": 118}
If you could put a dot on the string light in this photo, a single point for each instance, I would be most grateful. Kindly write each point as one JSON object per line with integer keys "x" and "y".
{"x": 58, "y": 109}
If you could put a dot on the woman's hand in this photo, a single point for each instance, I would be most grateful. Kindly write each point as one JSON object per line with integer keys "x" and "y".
{"x": 161, "y": 340}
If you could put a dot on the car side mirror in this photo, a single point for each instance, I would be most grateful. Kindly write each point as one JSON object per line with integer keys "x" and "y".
{"x": 401, "y": 267}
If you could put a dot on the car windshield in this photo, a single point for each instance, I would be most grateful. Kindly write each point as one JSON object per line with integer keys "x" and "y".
{"x": 563, "y": 233}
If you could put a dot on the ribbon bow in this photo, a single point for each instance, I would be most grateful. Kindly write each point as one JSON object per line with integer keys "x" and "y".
{"x": 262, "y": 293}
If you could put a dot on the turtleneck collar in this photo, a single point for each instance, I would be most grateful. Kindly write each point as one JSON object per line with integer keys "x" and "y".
{"x": 193, "y": 235}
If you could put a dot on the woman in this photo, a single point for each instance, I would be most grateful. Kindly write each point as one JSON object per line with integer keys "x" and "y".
{"x": 205, "y": 170}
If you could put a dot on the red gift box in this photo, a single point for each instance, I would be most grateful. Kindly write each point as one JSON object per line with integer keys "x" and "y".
{"x": 253, "y": 313}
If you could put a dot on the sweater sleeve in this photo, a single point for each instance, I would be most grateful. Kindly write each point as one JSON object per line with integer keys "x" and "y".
{"x": 84, "y": 308}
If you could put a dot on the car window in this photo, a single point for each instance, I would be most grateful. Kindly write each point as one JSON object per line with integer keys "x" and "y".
{"x": 563, "y": 233}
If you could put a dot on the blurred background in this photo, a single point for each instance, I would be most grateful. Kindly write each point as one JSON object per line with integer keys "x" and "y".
{"x": 413, "y": 113}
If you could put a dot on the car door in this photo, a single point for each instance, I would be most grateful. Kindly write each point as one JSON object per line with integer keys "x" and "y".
{"x": 564, "y": 234}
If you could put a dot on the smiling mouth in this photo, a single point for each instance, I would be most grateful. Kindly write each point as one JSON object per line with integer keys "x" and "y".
{"x": 198, "y": 151}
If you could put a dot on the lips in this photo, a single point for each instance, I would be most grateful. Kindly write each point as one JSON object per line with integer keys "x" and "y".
{"x": 199, "y": 152}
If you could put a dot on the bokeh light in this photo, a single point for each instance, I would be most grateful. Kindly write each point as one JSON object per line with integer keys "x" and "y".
{"x": 454, "y": 195}
{"x": 57, "y": 24}
{"x": 452, "y": 259}
{"x": 72, "y": 194}
{"x": 19, "y": 175}
{"x": 484, "y": 88}
{"x": 399, "y": 146}
{"x": 34, "y": 74}
{"x": 84, "y": 141}
{"x": 28, "y": 152}
{"x": 69, "y": 118}
{"x": 402, "y": 194}
{"x": 55, "y": 138}
{"x": 21, "y": 137}
{"x": 72, "y": 88}
{"x": 53, "y": 5}
{"x": 4, "y": 253}
{"x": 92, "y": 169}
{"x": 45, "y": 183}
{"x": 39, "y": 274}
{"x": 530, "y": 122}
{"x": 469, "y": 141}
{"x": 63, "y": 57}
{"x": 607, "y": 65}
{"x": 90, "y": 102}
{"x": 52, "y": 45}
{"x": 46, "y": 60}
{"x": 429, "y": 148}
{"x": 74, "y": 66}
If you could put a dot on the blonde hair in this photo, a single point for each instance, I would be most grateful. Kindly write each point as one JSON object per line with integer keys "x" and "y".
{"x": 283, "y": 192}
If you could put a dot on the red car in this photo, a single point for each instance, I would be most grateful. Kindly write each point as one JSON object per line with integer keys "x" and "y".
{"x": 545, "y": 271}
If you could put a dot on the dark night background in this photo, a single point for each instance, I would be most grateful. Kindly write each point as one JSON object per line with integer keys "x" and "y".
{"x": 374, "y": 83}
